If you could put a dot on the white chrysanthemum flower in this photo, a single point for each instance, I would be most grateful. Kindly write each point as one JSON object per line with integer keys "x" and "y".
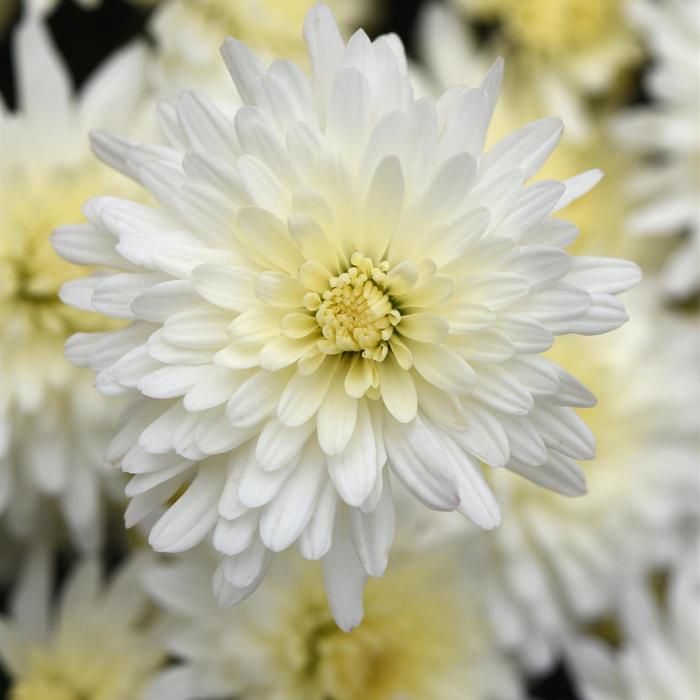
{"x": 93, "y": 643}
{"x": 560, "y": 54}
{"x": 660, "y": 650}
{"x": 53, "y": 428}
{"x": 338, "y": 280}
{"x": 423, "y": 636}
{"x": 451, "y": 54}
{"x": 557, "y": 561}
{"x": 188, "y": 34}
{"x": 668, "y": 190}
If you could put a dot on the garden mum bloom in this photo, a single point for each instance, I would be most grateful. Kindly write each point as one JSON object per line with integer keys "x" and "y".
{"x": 424, "y": 636}
{"x": 53, "y": 427}
{"x": 668, "y": 134}
{"x": 555, "y": 562}
{"x": 92, "y": 643}
{"x": 561, "y": 53}
{"x": 339, "y": 294}
{"x": 453, "y": 54}
{"x": 187, "y": 34}
{"x": 657, "y": 657}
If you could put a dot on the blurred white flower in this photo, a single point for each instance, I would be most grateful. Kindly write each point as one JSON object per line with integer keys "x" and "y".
{"x": 188, "y": 34}
{"x": 337, "y": 280}
{"x": 91, "y": 643}
{"x": 668, "y": 132}
{"x": 52, "y": 428}
{"x": 660, "y": 650}
{"x": 452, "y": 54}
{"x": 424, "y": 636}
{"x": 560, "y": 53}
{"x": 556, "y": 561}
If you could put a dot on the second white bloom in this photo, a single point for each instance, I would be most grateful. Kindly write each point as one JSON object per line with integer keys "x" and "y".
{"x": 337, "y": 281}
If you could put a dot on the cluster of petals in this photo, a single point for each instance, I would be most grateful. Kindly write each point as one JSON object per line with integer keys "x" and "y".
{"x": 666, "y": 133}
{"x": 338, "y": 293}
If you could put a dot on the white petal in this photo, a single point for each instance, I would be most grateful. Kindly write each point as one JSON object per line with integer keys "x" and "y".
{"x": 316, "y": 539}
{"x": 43, "y": 85}
{"x": 444, "y": 368}
{"x": 303, "y": 395}
{"x": 326, "y": 47}
{"x": 398, "y": 390}
{"x": 256, "y": 398}
{"x": 336, "y": 417}
{"x": 578, "y": 186}
{"x": 279, "y": 444}
{"x": 484, "y": 436}
{"x": 354, "y": 471}
{"x": 164, "y": 299}
{"x": 225, "y": 286}
{"x": 563, "y": 430}
{"x": 382, "y": 208}
{"x": 606, "y": 275}
{"x": 501, "y": 390}
{"x": 420, "y": 463}
{"x": 525, "y": 149}
{"x": 284, "y": 518}
{"x": 476, "y": 501}
{"x": 373, "y": 533}
{"x": 172, "y": 381}
{"x": 605, "y": 314}
{"x": 249, "y": 566}
{"x": 232, "y": 537}
{"x": 559, "y": 473}
{"x": 258, "y": 487}
{"x": 244, "y": 67}
{"x": 344, "y": 579}
{"x": 190, "y": 519}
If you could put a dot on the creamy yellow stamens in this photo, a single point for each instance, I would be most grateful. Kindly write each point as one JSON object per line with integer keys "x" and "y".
{"x": 356, "y": 314}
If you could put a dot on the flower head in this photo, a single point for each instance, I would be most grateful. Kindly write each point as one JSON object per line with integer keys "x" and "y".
{"x": 667, "y": 187}
{"x": 188, "y": 33}
{"x": 423, "y": 636}
{"x": 561, "y": 53}
{"x": 46, "y": 173}
{"x": 660, "y": 646}
{"x": 93, "y": 644}
{"x": 339, "y": 290}
{"x": 556, "y": 561}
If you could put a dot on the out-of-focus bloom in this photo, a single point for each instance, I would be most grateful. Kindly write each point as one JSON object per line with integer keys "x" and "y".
{"x": 660, "y": 648}
{"x": 451, "y": 55}
{"x": 338, "y": 280}
{"x": 556, "y": 560}
{"x": 560, "y": 53}
{"x": 188, "y": 34}
{"x": 424, "y": 636}
{"x": 92, "y": 643}
{"x": 668, "y": 133}
{"x": 53, "y": 429}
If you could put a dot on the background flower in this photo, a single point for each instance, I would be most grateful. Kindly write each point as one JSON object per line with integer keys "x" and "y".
{"x": 91, "y": 643}
{"x": 659, "y": 647}
{"x": 423, "y": 636}
{"x": 667, "y": 189}
{"x": 53, "y": 429}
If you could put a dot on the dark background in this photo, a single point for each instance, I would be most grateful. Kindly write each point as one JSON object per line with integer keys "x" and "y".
{"x": 85, "y": 38}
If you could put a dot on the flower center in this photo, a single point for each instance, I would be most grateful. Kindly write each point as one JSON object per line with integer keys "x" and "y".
{"x": 356, "y": 313}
